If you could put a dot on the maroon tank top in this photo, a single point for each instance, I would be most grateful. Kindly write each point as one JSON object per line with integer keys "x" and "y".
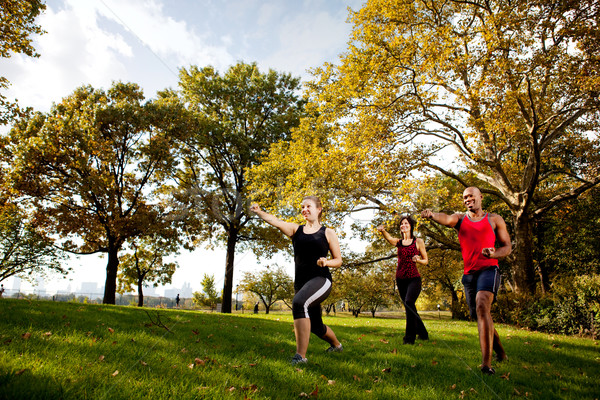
{"x": 407, "y": 268}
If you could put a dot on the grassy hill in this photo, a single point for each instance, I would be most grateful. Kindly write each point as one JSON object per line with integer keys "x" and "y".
{"x": 78, "y": 351}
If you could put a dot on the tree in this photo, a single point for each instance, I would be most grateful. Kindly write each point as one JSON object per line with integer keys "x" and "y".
{"x": 17, "y": 23}
{"x": 23, "y": 251}
{"x": 445, "y": 269}
{"x": 237, "y": 117}
{"x": 94, "y": 168}
{"x": 269, "y": 285}
{"x": 208, "y": 296}
{"x": 146, "y": 264}
{"x": 511, "y": 87}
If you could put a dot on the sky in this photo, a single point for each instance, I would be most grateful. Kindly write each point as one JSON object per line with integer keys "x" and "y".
{"x": 97, "y": 42}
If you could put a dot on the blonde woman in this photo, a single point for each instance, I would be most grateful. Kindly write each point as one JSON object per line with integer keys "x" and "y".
{"x": 312, "y": 283}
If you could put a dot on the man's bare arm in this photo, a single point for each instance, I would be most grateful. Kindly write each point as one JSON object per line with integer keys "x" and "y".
{"x": 441, "y": 218}
{"x": 502, "y": 237}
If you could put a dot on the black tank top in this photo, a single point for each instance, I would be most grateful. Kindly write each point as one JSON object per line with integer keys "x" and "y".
{"x": 308, "y": 248}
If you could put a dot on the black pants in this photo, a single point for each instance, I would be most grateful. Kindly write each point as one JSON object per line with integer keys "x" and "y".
{"x": 409, "y": 293}
{"x": 307, "y": 303}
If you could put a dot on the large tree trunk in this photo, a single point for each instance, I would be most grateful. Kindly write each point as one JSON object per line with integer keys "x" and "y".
{"x": 454, "y": 305}
{"x": 112, "y": 267}
{"x": 523, "y": 270}
{"x": 228, "y": 283}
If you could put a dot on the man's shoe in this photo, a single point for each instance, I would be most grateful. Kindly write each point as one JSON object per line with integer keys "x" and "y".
{"x": 488, "y": 370}
{"x": 298, "y": 359}
{"x": 335, "y": 349}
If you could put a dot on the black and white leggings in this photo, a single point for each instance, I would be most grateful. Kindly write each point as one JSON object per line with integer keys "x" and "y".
{"x": 307, "y": 303}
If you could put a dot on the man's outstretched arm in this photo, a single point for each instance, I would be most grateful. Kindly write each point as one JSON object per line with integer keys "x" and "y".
{"x": 441, "y": 218}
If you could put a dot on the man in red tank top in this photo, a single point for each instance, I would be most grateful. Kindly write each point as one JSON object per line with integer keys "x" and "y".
{"x": 478, "y": 233}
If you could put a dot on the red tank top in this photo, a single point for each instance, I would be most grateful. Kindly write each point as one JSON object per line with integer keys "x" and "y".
{"x": 407, "y": 268}
{"x": 474, "y": 237}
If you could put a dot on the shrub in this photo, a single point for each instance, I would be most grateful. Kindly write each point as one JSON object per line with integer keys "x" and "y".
{"x": 573, "y": 307}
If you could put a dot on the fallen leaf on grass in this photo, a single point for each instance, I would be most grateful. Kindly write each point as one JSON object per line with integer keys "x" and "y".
{"x": 191, "y": 366}
{"x": 252, "y": 364}
{"x": 331, "y": 382}
{"x": 101, "y": 358}
{"x": 48, "y": 334}
{"x": 231, "y": 389}
{"x": 199, "y": 361}
{"x": 115, "y": 373}
{"x": 506, "y": 376}
{"x": 145, "y": 364}
{"x": 184, "y": 350}
{"x": 111, "y": 330}
{"x": 433, "y": 362}
{"x": 26, "y": 335}
{"x": 388, "y": 369}
{"x": 395, "y": 351}
{"x": 252, "y": 388}
{"x": 195, "y": 332}
{"x": 383, "y": 341}
{"x": 356, "y": 378}
{"x": 453, "y": 386}
{"x": 20, "y": 372}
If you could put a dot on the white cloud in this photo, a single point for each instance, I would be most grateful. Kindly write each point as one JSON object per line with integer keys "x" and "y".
{"x": 73, "y": 52}
{"x": 170, "y": 39}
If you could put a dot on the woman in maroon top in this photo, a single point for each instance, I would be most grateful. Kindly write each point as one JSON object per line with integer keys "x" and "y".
{"x": 411, "y": 251}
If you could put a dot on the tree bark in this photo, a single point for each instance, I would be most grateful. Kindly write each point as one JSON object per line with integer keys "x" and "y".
{"x": 228, "y": 282}
{"x": 140, "y": 293}
{"x": 112, "y": 267}
{"x": 523, "y": 267}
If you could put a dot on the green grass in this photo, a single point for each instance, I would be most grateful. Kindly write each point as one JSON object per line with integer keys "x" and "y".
{"x": 72, "y": 351}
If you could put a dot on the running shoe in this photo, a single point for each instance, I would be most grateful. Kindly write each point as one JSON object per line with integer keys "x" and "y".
{"x": 298, "y": 359}
{"x": 488, "y": 370}
{"x": 335, "y": 349}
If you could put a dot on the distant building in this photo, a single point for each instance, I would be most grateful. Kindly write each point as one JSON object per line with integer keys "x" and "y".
{"x": 184, "y": 292}
{"x": 150, "y": 291}
{"x": 41, "y": 287}
{"x": 89, "y": 289}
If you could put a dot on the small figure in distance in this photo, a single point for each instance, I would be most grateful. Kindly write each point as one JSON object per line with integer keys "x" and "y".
{"x": 312, "y": 282}
{"x": 411, "y": 252}
{"x": 478, "y": 232}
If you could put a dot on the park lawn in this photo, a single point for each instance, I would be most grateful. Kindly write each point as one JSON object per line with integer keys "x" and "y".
{"x": 82, "y": 351}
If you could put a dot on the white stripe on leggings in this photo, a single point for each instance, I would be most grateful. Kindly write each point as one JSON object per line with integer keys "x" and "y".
{"x": 315, "y": 296}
